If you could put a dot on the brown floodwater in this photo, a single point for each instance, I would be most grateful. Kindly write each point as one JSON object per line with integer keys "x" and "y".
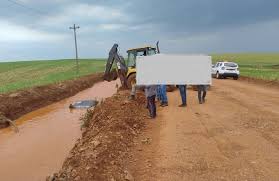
{"x": 45, "y": 137}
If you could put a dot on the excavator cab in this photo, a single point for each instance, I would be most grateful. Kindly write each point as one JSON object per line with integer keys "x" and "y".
{"x": 131, "y": 61}
{"x": 133, "y": 53}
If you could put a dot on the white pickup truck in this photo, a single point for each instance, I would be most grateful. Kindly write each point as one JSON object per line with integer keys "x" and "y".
{"x": 225, "y": 69}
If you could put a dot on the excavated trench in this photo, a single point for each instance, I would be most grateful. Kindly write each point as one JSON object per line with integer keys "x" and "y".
{"x": 45, "y": 138}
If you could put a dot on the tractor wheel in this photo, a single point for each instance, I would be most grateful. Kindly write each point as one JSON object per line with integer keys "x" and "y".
{"x": 131, "y": 80}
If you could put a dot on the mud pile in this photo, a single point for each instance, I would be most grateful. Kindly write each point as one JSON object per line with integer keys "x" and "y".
{"x": 99, "y": 154}
{"x": 16, "y": 104}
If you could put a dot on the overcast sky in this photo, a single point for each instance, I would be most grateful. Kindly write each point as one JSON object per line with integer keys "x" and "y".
{"x": 182, "y": 26}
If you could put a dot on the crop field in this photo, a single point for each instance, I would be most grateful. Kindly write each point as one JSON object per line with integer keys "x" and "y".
{"x": 260, "y": 66}
{"x": 21, "y": 75}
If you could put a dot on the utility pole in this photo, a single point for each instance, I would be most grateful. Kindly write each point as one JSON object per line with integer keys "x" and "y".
{"x": 75, "y": 34}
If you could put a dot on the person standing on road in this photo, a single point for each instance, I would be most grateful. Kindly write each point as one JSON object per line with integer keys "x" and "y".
{"x": 163, "y": 95}
{"x": 182, "y": 90}
{"x": 150, "y": 93}
{"x": 158, "y": 94}
{"x": 202, "y": 93}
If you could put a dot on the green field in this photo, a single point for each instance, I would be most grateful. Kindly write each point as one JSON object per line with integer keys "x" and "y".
{"x": 260, "y": 66}
{"x": 21, "y": 75}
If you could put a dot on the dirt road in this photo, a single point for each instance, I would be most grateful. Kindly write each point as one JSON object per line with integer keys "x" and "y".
{"x": 234, "y": 136}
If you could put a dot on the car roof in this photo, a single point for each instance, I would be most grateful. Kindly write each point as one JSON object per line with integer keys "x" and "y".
{"x": 225, "y": 62}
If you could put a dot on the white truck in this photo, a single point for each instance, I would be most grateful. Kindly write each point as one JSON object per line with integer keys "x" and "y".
{"x": 225, "y": 69}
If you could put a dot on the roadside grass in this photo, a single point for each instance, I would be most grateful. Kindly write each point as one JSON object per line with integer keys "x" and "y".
{"x": 21, "y": 75}
{"x": 257, "y": 65}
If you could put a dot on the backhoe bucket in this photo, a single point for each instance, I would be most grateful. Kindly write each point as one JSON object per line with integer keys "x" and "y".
{"x": 111, "y": 75}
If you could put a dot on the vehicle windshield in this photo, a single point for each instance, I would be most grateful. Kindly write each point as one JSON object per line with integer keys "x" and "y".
{"x": 151, "y": 52}
{"x": 132, "y": 59}
{"x": 132, "y": 56}
{"x": 230, "y": 64}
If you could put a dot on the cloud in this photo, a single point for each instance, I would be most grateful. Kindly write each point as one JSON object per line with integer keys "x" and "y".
{"x": 259, "y": 37}
{"x": 17, "y": 33}
{"x": 112, "y": 26}
{"x": 84, "y": 13}
{"x": 181, "y": 26}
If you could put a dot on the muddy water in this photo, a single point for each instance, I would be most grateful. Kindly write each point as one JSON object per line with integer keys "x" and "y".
{"x": 46, "y": 136}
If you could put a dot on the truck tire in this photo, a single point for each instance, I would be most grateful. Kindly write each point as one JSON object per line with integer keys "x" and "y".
{"x": 131, "y": 80}
{"x": 218, "y": 76}
{"x": 235, "y": 78}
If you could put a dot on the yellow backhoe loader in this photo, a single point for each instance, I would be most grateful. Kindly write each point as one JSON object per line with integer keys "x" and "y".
{"x": 130, "y": 65}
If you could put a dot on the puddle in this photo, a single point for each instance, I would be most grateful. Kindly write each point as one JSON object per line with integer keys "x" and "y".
{"x": 85, "y": 104}
{"x": 45, "y": 137}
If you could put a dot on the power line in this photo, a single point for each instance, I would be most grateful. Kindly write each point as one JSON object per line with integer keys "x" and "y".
{"x": 19, "y": 3}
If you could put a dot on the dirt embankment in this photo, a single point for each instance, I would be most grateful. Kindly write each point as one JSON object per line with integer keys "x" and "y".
{"x": 110, "y": 132}
{"x": 269, "y": 83}
{"x": 16, "y": 104}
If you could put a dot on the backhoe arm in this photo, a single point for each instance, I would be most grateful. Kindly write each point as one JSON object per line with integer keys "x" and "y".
{"x": 119, "y": 60}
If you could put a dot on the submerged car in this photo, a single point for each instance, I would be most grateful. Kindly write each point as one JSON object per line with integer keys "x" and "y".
{"x": 225, "y": 69}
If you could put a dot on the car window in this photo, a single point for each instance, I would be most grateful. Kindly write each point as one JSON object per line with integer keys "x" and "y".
{"x": 230, "y": 64}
